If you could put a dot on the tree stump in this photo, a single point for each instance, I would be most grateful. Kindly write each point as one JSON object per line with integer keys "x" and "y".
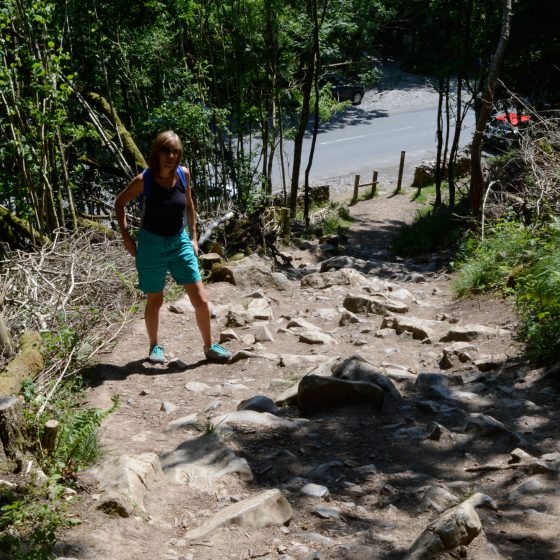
{"x": 11, "y": 423}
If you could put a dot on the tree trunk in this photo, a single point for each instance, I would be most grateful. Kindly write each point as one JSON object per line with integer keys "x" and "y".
{"x": 129, "y": 145}
{"x": 308, "y": 73}
{"x": 455, "y": 144}
{"x": 13, "y": 229}
{"x": 439, "y": 136}
{"x": 477, "y": 180}
{"x": 27, "y": 364}
{"x": 315, "y": 68}
{"x": 11, "y": 424}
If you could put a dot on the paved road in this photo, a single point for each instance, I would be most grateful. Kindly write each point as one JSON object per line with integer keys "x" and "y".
{"x": 360, "y": 141}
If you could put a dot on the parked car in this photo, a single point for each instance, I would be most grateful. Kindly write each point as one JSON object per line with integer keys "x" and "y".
{"x": 512, "y": 117}
{"x": 504, "y": 130}
{"x": 343, "y": 90}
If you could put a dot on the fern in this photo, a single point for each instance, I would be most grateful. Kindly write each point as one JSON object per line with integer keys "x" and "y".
{"x": 78, "y": 441}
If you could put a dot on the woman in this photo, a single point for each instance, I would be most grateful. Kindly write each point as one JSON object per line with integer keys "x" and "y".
{"x": 163, "y": 243}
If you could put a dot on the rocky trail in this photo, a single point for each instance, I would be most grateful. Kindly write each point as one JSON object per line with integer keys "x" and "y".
{"x": 365, "y": 414}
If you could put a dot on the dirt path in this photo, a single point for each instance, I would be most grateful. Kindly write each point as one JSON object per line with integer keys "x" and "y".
{"x": 388, "y": 470}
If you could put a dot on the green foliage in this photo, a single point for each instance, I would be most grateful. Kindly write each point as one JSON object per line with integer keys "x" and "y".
{"x": 338, "y": 222}
{"x": 489, "y": 262}
{"x": 29, "y": 523}
{"x": 431, "y": 230}
{"x": 77, "y": 444}
{"x": 524, "y": 262}
{"x": 538, "y": 298}
{"x": 426, "y": 194}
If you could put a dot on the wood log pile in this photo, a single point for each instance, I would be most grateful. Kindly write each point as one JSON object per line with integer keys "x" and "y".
{"x": 77, "y": 292}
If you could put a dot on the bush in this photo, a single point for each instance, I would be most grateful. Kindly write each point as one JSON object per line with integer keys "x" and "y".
{"x": 495, "y": 261}
{"x": 538, "y": 299}
{"x": 526, "y": 263}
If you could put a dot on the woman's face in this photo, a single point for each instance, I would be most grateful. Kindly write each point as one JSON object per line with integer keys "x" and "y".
{"x": 169, "y": 156}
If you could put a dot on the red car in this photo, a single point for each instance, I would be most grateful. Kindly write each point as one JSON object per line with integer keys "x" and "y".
{"x": 512, "y": 118}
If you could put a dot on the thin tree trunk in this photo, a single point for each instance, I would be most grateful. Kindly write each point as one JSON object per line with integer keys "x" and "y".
{"x": 308, "y": 73}
{"x": 439, "y": 136}
{"x": 316, "y": 62}
{"x": 455, "y": 144}
{"x": 477, "y": 179}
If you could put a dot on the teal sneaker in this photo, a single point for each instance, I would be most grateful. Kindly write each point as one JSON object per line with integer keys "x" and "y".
{"x": 217, "y": 353}
{"x": 157, "y": 355}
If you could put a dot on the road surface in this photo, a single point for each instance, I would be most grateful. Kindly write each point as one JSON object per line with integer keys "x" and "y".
{"x": 361, "y": 140}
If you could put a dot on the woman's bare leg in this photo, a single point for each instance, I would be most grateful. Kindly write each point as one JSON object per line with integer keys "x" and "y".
{"x": 199, "y": 300}
{"x": 154, "y": 302}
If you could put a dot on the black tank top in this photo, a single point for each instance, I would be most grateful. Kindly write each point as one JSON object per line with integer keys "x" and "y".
{"x": 164, "y": 210}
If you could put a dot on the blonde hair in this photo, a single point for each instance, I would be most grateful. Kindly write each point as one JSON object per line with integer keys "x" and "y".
{"x": 164, "y": 139}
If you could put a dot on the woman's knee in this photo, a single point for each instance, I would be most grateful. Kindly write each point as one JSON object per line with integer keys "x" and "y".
{"x": 197, "y": 295}
{"x": 154, "y": 300}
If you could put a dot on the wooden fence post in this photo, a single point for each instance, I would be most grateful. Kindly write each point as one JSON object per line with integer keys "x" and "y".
{"x": 356, "y": 185}
{"x": 373, "y": 184}
{"x": 401, "y": 169}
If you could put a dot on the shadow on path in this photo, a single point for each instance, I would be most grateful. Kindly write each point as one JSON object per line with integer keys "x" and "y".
{"x": 98, "y": 374}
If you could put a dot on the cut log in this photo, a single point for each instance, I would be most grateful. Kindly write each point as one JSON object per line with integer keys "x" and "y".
{"x": 27, "y": 364}
{"x": 11, "y": 424}
{"x": 14, "y": 228}
{"x": 48, "y": 439}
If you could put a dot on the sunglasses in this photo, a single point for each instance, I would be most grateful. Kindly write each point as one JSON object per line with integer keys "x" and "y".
{"x": 170, "y": 151}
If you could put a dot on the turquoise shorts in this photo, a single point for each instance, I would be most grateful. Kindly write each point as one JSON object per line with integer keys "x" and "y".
{"x": 157, "y": 254}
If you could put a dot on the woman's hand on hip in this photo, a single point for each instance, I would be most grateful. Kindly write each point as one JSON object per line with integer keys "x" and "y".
{"x": 195, "y": 246}
{"x": 129, "y": 245}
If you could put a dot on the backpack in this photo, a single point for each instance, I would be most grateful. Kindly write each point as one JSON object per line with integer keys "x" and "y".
{"x": 149, "y": 185}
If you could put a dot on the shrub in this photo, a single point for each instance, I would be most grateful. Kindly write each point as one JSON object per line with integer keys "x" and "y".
{"x": 489, "y": 263}
{"x": 538, "y": 299}
{"x": 526, "y": 263}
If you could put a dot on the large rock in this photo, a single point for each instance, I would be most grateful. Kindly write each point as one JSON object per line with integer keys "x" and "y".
{"x": 300, "y": 323}
{"x": 486, "y": 425}
{"x": 425, "y": 173}
{"x": 342, "y": 277}
{"x": 316, "y": 337}
{"x": 281, "y": 282}
{"x": 421, "y": 329}
{"x": 468, "y": 333}
{"x": 377, "y": 304}
{"x": 125, "y": 480}
{"x": 253, "y": 418}
{"x": 435, "y": 385}
{"x": 316, "y": 392}
{"x": 259, "y": 403}
{"x": 248, "y": 311}
{"x": 302, "y": 360}
{"x": 196, "y": 462}
{"x": 458, "y": 526}
{"x": 266, "y": 509}
{"x": 457, "y": 353}
{"x": 355, "y": 368}
{"x": 336, "y": 263}
{"x": 248, "y": 272}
